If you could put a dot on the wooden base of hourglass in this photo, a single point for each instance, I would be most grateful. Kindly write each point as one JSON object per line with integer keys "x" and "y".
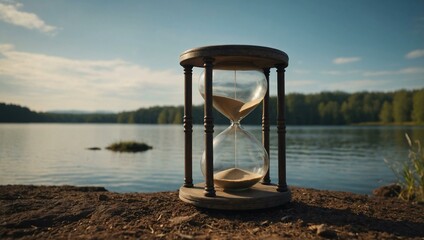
{"x": 259, "y": 196}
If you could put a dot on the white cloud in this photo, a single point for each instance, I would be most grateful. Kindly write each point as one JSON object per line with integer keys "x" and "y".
{"x": 410, "y": 70}
{"x": 339, "y": 73}
{"x": 418, "y": 53}
{"x": 300, "y": 83}
{"x": 358, "y": 85}
{"x": 297, "y": 85}
{"x": 11, "y": 13}
{"x": 6, "y": 47}
{"x": 58, "y": 83}
{"x": 344, "y": 60}
{"x": 300, "y": 71}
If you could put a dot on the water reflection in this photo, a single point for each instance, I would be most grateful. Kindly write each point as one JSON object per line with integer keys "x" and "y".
{"x": 336, "y": 158}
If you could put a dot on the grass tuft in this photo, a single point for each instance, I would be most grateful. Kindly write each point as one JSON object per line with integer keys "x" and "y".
{"x": 129, "y": 146}
{"x": 411, "y": 173}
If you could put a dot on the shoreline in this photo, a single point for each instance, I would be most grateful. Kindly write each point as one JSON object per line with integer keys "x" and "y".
{"x": 39, "y": 212}
{"x": 392, "y": 124}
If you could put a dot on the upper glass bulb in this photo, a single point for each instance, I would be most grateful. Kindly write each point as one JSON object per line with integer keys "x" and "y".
{"x": 236, "y": 92}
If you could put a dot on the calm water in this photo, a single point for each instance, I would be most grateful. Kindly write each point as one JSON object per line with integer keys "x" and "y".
{"x": 334, "y": 158}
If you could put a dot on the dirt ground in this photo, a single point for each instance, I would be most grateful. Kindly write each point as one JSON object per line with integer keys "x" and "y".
{"x": 67, "y": 212}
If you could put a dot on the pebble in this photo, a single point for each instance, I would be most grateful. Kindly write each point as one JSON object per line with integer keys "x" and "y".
{"x": 103, "y": 197}
{"x": 182, "y": 219}
{"x": 323, "y": 231}
{"x": 185, "y": 236}
{"x": 287, "y": 218}
{"x": 264, "y": 223}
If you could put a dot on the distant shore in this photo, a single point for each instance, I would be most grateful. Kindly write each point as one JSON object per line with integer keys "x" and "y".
{"x": 40, "y": 212}
{"x": 412, "y": 124}
{"x": 325, "y": 108}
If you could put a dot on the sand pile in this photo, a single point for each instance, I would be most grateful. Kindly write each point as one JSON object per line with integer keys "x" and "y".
{"x": 234, "y": 109}
{"x": 235, "y": 178}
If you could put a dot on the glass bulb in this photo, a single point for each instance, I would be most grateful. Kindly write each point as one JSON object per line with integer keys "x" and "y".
{"x": 240, "y": 160}
{"x": 236, "y": 92}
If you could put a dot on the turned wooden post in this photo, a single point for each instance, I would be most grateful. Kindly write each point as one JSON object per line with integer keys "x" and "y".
{"x": 281, "y": 130}
{"x": 208, "y": 123}
{"x": 265, "y": 126}
{"x": 188, "y": 127}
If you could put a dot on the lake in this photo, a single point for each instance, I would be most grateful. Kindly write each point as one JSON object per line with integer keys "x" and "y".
{"x": 346, "y": 158}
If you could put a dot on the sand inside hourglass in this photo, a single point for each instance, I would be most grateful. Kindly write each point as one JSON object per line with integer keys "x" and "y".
{"x": 235, "y": 178}
{"x": 234, "y": 109}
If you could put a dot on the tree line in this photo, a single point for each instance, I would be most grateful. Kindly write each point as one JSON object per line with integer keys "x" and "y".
{"x": 325, "y": 108}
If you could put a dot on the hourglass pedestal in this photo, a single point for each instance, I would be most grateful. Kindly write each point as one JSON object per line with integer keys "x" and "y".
{"x": 235, "y": 165}
{"x": 259, "y": 196}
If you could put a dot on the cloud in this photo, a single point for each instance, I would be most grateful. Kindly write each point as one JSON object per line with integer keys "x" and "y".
{"x": 11, "y": 13}
{"x": 58, "y": 82}
{"x": 358, "y": 85}
{"x": 344, "y": 60}
{"x": 339, "y": 73}
{"x": 418, "y": 53}
{"x": 296, "y": 85}
{"x": 300, "y": 71}
{"x": 301, "y": 83}
{"x": 410, "y": 70}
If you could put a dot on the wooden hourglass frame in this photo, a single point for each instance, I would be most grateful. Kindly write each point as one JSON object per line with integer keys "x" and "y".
{"x": 263, "y": 194}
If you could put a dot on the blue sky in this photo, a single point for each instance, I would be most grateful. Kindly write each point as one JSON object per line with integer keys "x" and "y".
{"x": 122, "y": 55}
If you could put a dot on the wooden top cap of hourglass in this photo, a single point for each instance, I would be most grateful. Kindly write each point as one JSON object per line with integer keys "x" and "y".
{"x": 235, "y": 56}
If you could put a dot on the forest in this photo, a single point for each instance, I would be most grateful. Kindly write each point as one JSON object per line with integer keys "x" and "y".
{"x": 325, "y": 108}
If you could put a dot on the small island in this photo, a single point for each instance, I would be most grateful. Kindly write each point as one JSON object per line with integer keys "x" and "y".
{"x": 129, "y": 146}
{"x": 94, "y": 148}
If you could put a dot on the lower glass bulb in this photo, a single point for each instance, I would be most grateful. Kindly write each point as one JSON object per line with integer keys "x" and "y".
{"x": 240, "y": 161}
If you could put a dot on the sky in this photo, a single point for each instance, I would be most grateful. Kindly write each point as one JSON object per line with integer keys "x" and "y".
{"x": 122, "y": 55}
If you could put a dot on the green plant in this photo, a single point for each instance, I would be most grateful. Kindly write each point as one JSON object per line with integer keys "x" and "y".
{"x": 411, "y": 173}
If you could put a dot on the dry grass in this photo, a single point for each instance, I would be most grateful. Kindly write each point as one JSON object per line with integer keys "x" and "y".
{"x": 411, "y": 173}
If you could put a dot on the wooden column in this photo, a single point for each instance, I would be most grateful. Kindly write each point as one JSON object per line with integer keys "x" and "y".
{"x": 265, "y": 126}
{"x": 281, "y": 130}
{"x": 188, "y": 127}
{"x": 208, "y": 123}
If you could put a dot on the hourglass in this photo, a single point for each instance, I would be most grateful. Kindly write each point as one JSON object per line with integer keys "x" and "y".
{"x": 235, "y": 164}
